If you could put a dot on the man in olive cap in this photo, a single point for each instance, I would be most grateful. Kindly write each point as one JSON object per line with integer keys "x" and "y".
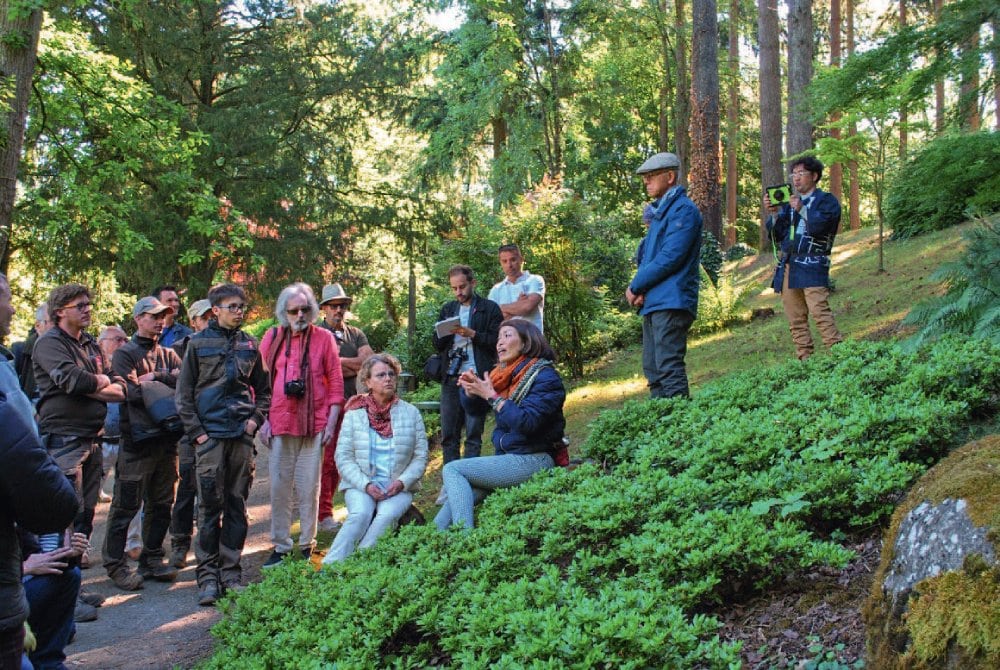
{"x": 665, "y": 286}
{"x": 146, "y": 472}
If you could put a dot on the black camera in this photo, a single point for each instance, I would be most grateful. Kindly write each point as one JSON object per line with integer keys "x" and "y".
{"x": 295, "y": 388}
{"x": 455, "y": 359}
{"x": 780, "y": 194}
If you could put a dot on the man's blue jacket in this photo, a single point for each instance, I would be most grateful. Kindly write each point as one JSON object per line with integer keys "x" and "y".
{"x": 670, "y": 255}
{"x": 806, "y": 251}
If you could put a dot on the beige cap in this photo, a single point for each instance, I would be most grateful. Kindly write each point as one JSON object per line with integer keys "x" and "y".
{"x": 198, "y": 308}
{"x": 333, "y": 292}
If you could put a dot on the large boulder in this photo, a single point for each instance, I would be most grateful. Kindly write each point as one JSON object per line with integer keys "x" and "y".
{"x": 935, "y": 600}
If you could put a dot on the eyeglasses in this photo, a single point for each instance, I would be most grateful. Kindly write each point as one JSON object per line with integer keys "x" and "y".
{"x": 337, "y": 306}
{"x": 298, "y": 310}
{"x": 800, "y": 173}
{"x": 235, "y": 307}
{"x": 81, "y": 306}
{"x": 117, "y": 338}
{"x": 384, "y": 375}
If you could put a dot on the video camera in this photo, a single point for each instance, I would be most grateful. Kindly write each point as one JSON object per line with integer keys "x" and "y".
{"x": 780, "y": 194}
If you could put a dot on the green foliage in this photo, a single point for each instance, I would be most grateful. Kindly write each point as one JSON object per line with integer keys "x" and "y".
{"x": 720, "y": 303}
{"x": 971, "y": 305}
{"x": 950, "y": 177}
{"x": 619, "y": 563}
{"x": 711, "y": 256}
{"x": 740, "y": 250}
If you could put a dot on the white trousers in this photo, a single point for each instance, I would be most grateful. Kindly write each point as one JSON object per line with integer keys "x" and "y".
{"x": 294, "y": 464}
{"x": 367, "y": 521}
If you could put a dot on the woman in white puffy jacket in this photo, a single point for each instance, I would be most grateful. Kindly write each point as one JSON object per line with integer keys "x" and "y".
{"x": 381, "y": 456}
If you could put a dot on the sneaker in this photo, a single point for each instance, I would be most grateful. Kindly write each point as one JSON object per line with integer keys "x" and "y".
{"x": 328, "y": 525}
{"x": 306, "y": 552}
{"x": 442, "y": 498}
{"x": 179, "y": 557}
{"x": 84, "y": 612}
{"x": 126, "y": 579}
{"x": 274, "y": 559}
{"x": 161, "y": 572}
{"x": 208, "y": 593}
{"x": 92, "y": 599}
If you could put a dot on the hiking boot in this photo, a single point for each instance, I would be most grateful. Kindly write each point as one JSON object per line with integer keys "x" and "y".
{"x": 306, "y": 552}
{"x": 161, "y": 572}
{"x": 233, "y": 585}
{"x": 126, "y": 579}
{"x": 179, "y": 557}
{"x": 328, "y": 525}
{"x": 208, "y": 593}
{"x": 84, "y": 612}
{"x": 274, "y": 559}
{"x": 92, "y": 599}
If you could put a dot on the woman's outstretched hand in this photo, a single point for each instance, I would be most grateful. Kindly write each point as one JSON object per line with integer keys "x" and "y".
{"x": 473, "y": 385}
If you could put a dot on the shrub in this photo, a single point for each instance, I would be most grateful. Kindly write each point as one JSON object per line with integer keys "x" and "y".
{"x": 939, "y": 186}
{"x": 971, "y": 306}
{"x": 620, "y": 563}
{"x": 740, "y": 250}
{"x": 711, "y": 256}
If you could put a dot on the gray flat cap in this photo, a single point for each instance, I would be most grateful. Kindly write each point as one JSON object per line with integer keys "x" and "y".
{"x": 660, "y": 161}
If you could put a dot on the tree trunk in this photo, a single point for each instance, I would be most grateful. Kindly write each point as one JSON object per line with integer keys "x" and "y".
{"x": 902, "y": 111}
{"x": 771, "y": 172}
{"x": 836, "y": 169}
{"x": 800, "y": 68}
{"x": 705, "y": 191}
{"x": 18, "y": 54}
{"x": 499, "y": 124}
{"x": 939, "y": 82}
{"x": 996, "y": 73}
{"x": 682, "y": 107}
{"x": 732, "y": 122}
{"x": 852, "y": 165}
{"x": 968, "y": 99}
{"x": 666, "y": 91}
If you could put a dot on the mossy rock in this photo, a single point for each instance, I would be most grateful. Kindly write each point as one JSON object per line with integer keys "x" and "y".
{"x": 935, "y": 599}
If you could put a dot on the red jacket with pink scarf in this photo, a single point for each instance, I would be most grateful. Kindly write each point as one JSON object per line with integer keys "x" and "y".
{"x": 282, "y": 352}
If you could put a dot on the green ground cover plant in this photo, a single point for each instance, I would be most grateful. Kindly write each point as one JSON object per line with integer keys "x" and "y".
{"x": 684, "y": 507}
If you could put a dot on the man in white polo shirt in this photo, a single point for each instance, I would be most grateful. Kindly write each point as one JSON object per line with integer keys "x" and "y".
{"x": 520, "y": 293}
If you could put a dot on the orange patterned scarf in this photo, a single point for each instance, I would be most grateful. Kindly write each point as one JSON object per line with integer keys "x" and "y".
{"x": 505, "y": 380}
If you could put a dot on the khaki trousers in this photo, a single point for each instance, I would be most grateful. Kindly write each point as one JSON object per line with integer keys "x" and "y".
{"x": 799, "y": 304}
{"x": 294, "y": 464}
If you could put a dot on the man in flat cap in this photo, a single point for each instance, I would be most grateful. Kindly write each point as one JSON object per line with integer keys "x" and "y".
{"x": 665, "y": 286}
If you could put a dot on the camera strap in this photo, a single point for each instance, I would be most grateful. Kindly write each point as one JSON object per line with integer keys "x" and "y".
{"x": 304, "y": 363}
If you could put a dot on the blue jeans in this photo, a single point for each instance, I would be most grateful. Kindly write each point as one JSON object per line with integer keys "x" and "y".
{"x": 453, "y": 420}
{"x": 664, "y": 345}
{"x": 53, "y": 601}
{"x": 469, "y": 480}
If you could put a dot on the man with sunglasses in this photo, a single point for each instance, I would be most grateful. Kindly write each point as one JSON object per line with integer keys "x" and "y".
{"x": 73, "y": 395}
{"x": 354, "y": 350}
{"x": 223, "y": 397}
{"x": 307, "y": 393}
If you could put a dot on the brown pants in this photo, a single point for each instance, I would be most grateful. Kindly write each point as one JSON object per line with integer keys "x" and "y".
{"x": 799, "y": 304}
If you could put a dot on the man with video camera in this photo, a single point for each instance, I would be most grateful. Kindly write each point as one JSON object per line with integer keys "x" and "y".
{"x": 803, "y": 227}
{"x": 472, "y": 345}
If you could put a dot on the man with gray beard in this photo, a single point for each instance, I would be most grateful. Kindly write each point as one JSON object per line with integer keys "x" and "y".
{"x": 307, "y": 394}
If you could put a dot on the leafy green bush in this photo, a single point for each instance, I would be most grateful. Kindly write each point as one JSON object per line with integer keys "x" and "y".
{"x": 740, "y": 250}
{"x": 939, "y": 186}
{"x": 619, "y": 563}
{"x": 971, "y": 305}
{"x": 711, "y": 256}
{"x": 720, "y": 302}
